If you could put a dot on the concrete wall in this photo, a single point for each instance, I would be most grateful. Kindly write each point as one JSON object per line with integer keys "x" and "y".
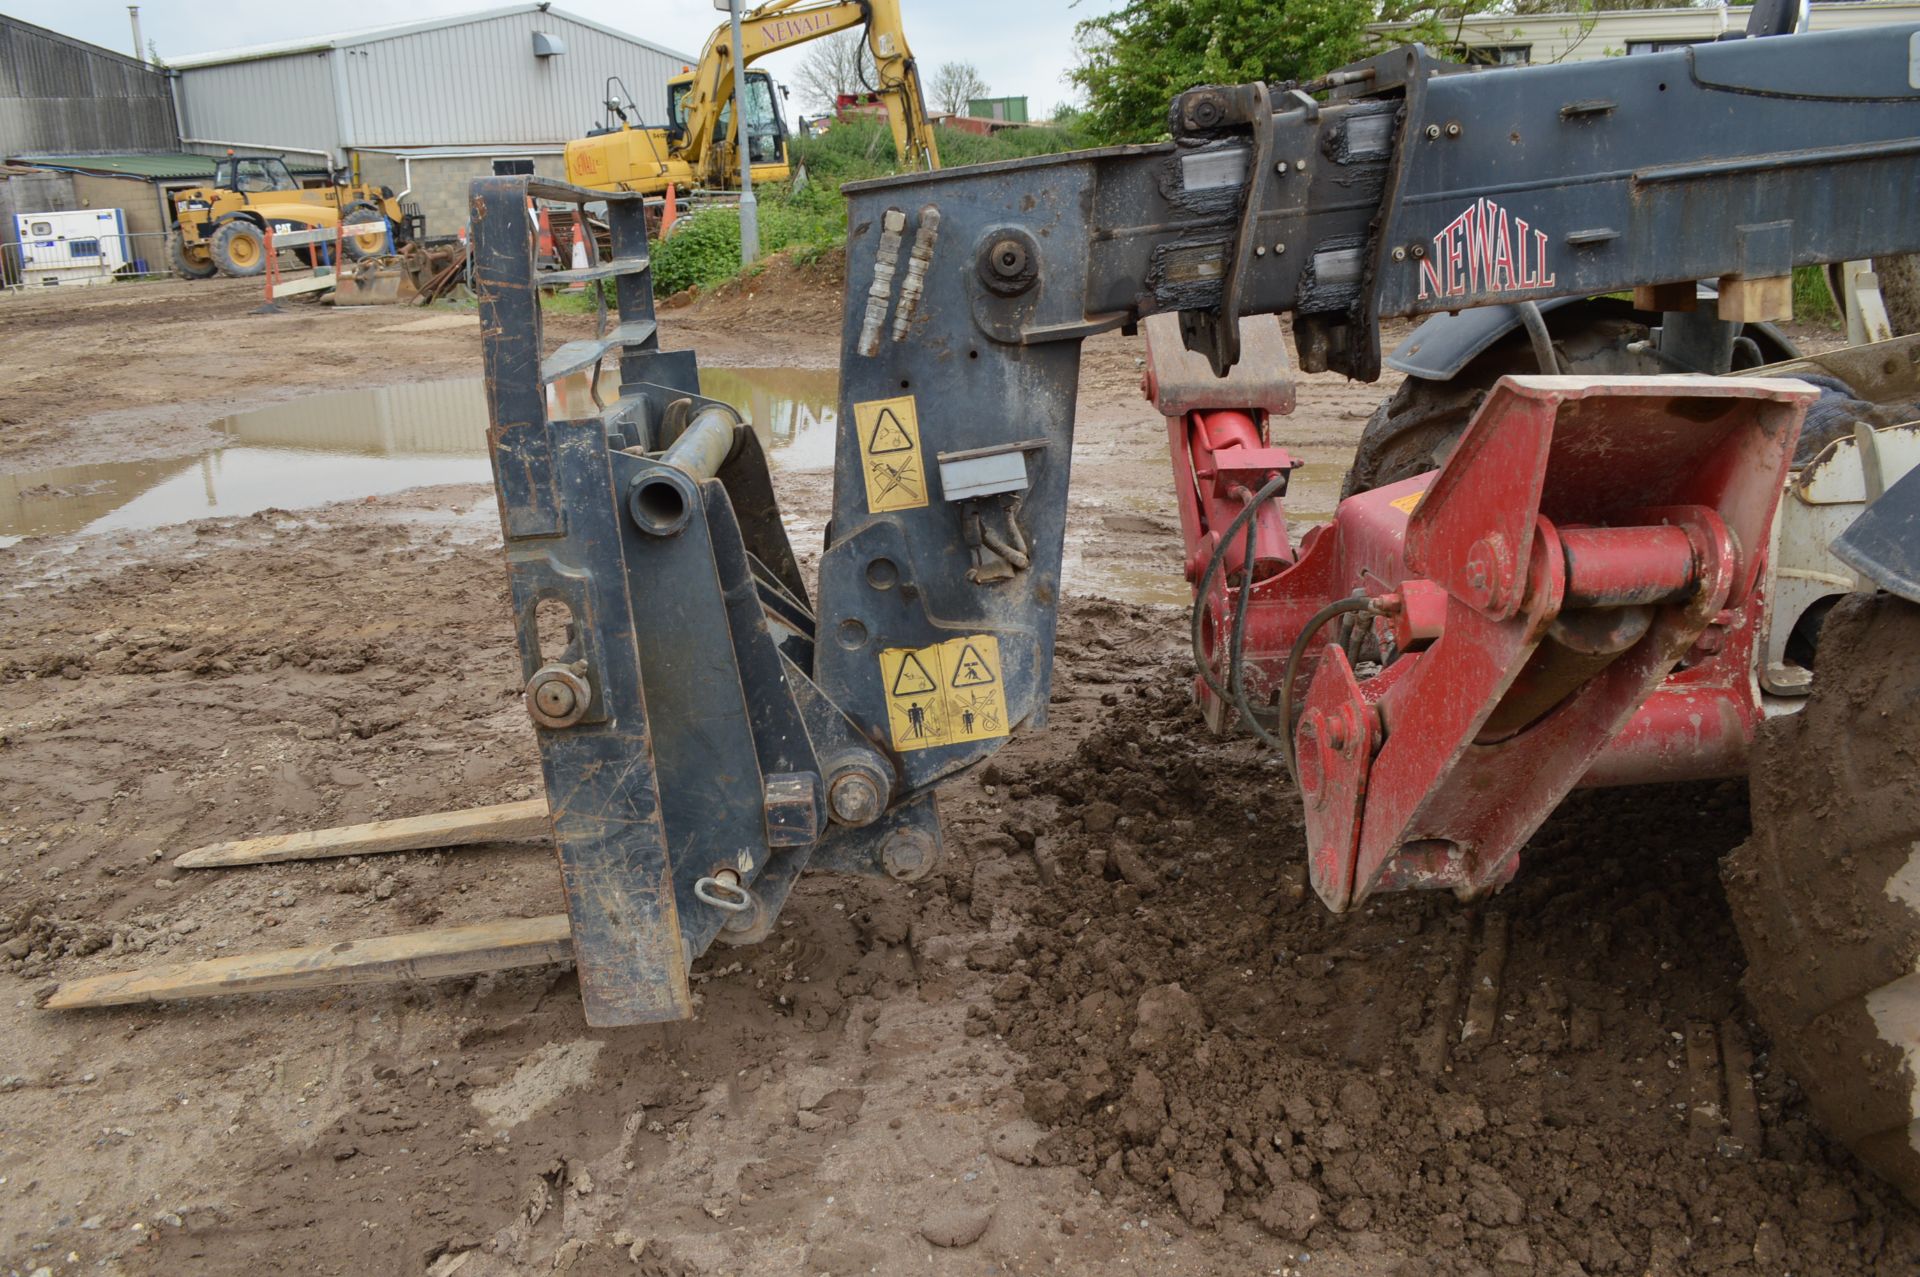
{"x": 59, "y": 96}
{"x": 138, "y": 198}
{"x": 440, "y": 186}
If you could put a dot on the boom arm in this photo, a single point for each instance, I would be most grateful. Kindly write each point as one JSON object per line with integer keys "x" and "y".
{"x": 783, "y": 24}
{"x": 707, "y": 732}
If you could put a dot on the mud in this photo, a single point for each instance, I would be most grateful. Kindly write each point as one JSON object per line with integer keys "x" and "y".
{"x": 1111, "y": 1033}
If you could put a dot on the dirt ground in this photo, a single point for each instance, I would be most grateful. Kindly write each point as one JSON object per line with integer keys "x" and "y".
{"x": 1111, "y": 1033}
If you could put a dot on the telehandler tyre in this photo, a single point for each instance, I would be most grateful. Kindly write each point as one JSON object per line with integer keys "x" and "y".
{"x": 1900, "y": 290}
{"x": 1414, "y": 429}
{"x": 239, "y": 248}
{"x": 187, "y": 265}
{"x": 372, "y": 242}
{"x": 1826, "y": 890}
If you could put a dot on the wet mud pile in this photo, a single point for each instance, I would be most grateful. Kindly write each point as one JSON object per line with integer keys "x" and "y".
{"x": 1199, "y": 1029}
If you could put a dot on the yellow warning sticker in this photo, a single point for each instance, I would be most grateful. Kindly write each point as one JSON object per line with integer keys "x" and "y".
{"x": 889, "y": 431}
{"x": 947, "y": 694}
{"x": 1406, "y": 504}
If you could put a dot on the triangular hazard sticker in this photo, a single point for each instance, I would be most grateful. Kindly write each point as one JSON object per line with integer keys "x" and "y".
{"x": 912, "y": 680}
{"x": 971, "y": 670}
{"x": 888, "y": 435}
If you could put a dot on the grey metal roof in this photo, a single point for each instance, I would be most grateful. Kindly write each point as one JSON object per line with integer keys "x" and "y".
{"x": 370, "y": 35}
{"x": 159, "y": 167}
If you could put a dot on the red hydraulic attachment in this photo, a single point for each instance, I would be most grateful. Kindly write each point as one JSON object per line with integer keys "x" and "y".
{"x": 1572, "y": 599}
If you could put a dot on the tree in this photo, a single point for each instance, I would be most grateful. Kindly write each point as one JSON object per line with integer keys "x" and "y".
{"x": 1135, "y": 60}
{"x": 839, "y": 63}
{"x": 955, "y": 85}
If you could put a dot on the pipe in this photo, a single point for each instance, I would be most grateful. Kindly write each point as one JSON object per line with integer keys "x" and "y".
{"x": 661, "y": 501}
{"x": 1536, "y": 326}
{"x": 139, "y": 45}
{"x": 259, "y": 146}
{"x": 704, "y": 446}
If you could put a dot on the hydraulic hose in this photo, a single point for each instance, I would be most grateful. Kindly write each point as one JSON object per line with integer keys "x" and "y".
{"x": 1300, "y": 644}
{"x": 1536, "y": 326}
{"x": 1268, "y": 491}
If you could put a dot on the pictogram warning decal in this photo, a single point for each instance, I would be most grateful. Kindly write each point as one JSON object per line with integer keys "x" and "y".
{"x": 913, "y": 679}
{"x": 1406, "y": 504}
{"x": 889, "y": 435}
{"x": 947, "y": 694}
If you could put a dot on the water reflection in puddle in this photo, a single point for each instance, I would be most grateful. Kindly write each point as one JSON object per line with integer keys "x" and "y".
{"x": 364, "y": 443}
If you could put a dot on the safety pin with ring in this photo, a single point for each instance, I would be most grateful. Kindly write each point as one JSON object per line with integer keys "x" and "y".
{"x": 705, "y": 889}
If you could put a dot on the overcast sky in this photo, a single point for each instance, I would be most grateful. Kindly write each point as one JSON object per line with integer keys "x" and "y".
{"x": 1019, "y": 46}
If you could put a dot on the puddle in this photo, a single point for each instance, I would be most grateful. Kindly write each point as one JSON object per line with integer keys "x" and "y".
{"x": 363, "y": 443}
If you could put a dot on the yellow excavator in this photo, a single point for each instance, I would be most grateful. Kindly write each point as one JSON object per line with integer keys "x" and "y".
{"x": 698, "y": 146}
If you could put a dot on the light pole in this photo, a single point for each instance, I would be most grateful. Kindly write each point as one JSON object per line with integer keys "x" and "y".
{"x": 749, "y": 206}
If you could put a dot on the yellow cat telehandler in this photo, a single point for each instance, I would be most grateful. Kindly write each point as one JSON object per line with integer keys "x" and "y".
{"x": 222, "y": 228}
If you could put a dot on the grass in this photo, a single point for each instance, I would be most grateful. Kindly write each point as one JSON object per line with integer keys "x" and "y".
{"x": 1812, "y": 304}
{"x": 808, "y": 222}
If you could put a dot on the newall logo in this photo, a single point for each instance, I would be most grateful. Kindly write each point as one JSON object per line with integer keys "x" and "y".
{"x": 1485, "y": 251}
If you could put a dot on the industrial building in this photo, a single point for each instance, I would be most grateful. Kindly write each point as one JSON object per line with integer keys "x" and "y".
{"x": 61, "y": 96}
{"x": 1509, "y": 39}
{"x": 425, "y": 107}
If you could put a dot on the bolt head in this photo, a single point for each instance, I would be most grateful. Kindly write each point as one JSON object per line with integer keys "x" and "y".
{"x": 854, "y": 798}
{"x": 558, "y": 697}
{"x": 1008, "y": 258}
{"x": 1399, "y": 254}
{"x": 1433, "y": 132}
{"x": 908, "y": 855}
{"x": 555, "y": 699}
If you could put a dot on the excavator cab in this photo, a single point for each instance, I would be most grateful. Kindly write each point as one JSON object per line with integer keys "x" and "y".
{"x": 766, "y": 131}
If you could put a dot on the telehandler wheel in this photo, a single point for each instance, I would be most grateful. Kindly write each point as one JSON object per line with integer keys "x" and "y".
{"x": 194, "y": 264}
{"x": 1414, "y": 429}
{"x": 1900, "y": 290}
{"x": 240, "y": 249}
{"x": 372, "y": 243}
{"x": 1826, "y": 890}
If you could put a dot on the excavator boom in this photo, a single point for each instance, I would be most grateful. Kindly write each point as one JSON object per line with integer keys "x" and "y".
{"x": 700, "y": 146}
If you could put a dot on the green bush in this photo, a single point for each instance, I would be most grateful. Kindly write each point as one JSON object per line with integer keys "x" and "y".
{"x": 704, "y": 248}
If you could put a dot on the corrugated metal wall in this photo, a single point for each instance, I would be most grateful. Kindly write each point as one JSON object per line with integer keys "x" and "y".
{"x": 59, "y": 96}
{"x": 478, "y": 83}
{"x": 286, "y": 101}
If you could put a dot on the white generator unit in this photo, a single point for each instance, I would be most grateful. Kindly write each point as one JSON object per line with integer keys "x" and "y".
{"x": 84, "y": 246}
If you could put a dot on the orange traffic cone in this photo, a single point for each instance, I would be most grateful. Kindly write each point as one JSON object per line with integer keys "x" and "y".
{"x": 669, "y": 215}
{"x": 581, "y": 260}
{"x": 545, "y": 222}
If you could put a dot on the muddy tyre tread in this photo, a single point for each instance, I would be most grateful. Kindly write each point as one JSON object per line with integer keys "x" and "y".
{"x": 221, "y": 249}
{"x": 183, "y": 266}
{"x": 1826, "y": 890}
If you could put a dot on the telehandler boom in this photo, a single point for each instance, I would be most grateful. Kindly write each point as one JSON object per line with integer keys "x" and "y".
{"x": 1579, "y": 595}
